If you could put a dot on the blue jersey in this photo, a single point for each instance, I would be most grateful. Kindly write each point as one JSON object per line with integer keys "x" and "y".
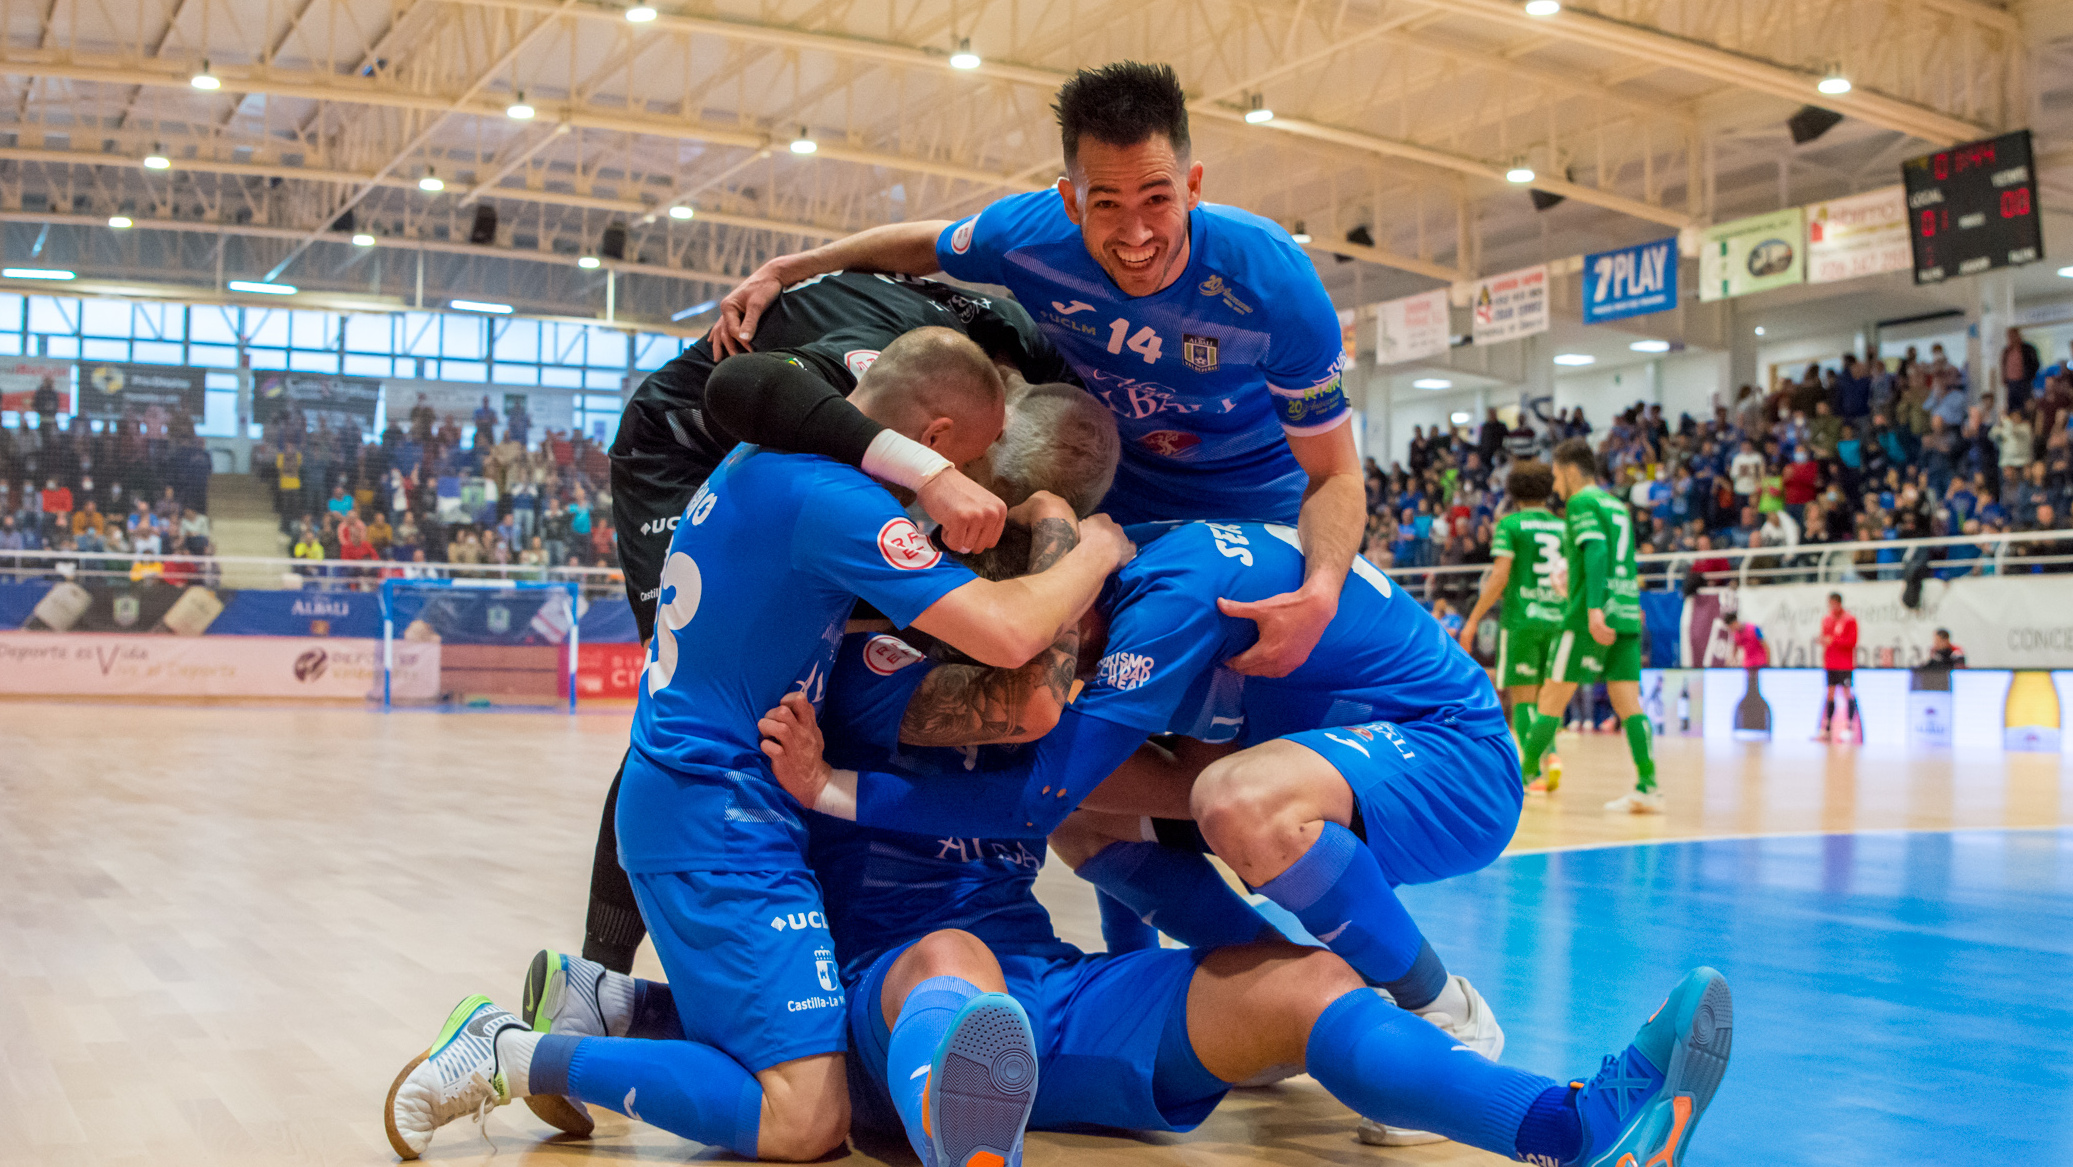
{"x": 768, "y": 560}
{"x": 1382, "y": 658}
{"x": 1204, "y": 377}
{"x": 884, "y": 888}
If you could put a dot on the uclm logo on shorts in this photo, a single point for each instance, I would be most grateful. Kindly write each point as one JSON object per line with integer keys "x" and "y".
{"x": 905, "y": 547}
{"x": 1124, "y": 671}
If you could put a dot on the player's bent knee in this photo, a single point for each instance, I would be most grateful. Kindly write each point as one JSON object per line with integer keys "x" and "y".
{"x": 1240, "y": 806}
{"x": 950, "y": 952}
{"x": 790, "y": 1136}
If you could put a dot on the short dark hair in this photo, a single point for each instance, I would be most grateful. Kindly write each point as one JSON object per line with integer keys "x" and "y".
{"x": 1577, "y": 452}
{"x": 1836, "y": 596}
{"x": 1122, "y": 104}
{"x": 1530, "y": 481}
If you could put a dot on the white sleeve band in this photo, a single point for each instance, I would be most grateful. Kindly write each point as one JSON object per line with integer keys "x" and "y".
{"x": 838, "y": 799}
{"x": 902, "y": 461}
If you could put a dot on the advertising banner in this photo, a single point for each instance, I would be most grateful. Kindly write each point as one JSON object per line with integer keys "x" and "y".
{"x": 609, "y": 671}
{"x": 338, "y": 401}
{"x": 1859, "y": 236}
{"x": 2008, "y": 622}
{"x": 1511, "y": 305}
{"x": 1633, "y": 281}
{"x": 20, "y": 381}
{"x": 85, "y": 664}
{"x": 107, "y": 390}
{"x": 1411, "y": 329}
{"x": 549, "y": 408}
{"x": 1753, "y": 255}
{"x": 1967, "y": 709}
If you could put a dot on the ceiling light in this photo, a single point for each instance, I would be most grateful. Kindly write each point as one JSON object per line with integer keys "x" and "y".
{"x": 1543, "y": 7}
{"x": 205, "y": 79}
{"x": 1299, "y": 234}
{"x": 479, "y": 306}
{"x": 1834, "y": 83}
{"x": 1459, "y": 418}
{"x": 431, "y": 182}
{"x": 121, "y": 222}
{"x": 363, "y": 239}
{"x": 258, "y": 288}
{"x": 1574, "y": 359}
{"x": 964, "y": 57}
{"x": 36, "y": 273}
{"x": 1650, "y": 346}
{"x": 588, "y": 262}
{"x": 1432, "y": 383}
{"x": 518, "y": 110}
{"x": 682, "y": 212}
{"x": 156, "y": 160}
{"x": 1759, "y": 330}
{"x": 803, "y": 144}
{"x": 640, "y": 14}
{"x": 1520, "y": 172}
{"x": 1258, "y": 111}
{"x": 2066, "y": 273}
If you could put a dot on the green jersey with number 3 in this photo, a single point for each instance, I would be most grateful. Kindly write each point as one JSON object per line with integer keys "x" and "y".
{"x": 1537, "y": 543}
{"x": 1596, "y": 517}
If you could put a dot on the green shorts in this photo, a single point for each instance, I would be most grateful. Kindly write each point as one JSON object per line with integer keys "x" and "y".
{"x": 1522, "y": 654}
{"x": 1579, "y": 660}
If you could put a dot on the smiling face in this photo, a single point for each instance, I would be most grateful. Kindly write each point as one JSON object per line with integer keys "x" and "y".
{"x": 1131, "y": 204}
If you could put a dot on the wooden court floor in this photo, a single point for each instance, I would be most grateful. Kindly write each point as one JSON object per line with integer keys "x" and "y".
{"x": 222, "y": 929}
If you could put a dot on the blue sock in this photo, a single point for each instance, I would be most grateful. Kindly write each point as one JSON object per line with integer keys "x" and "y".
{"x": 1399, "y": 1069}
{"x": 924, "y": 1018}
{"x": 654, "y": 1013}
{"x": 688, "y": 1089}
{"x": 1121, "y": 928}
{"x": 1178, "y": 892}
{"x": 1551, "y": 1132}
{"x": 1339, "y": 893}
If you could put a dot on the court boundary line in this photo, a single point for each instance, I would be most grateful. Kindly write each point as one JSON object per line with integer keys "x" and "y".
{"x": 1570, "y": 847}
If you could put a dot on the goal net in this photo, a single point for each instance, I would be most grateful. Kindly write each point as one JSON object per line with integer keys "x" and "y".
{"x": 478, "y": 642}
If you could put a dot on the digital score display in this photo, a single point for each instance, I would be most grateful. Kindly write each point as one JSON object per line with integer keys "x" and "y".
{"x": 1973, "y": 208}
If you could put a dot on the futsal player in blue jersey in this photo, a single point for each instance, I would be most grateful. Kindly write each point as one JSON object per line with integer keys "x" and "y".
{"x": 929, "y": 927}
{"x": 1204, "y": 328}
{"x": 763, "y": 571}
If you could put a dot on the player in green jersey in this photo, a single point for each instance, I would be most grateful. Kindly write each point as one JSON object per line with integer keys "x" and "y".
{"x": 1601, "y": 631}
{"x": 1526, "y": 556}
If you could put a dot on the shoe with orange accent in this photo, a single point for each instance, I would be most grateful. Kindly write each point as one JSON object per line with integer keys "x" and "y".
{"x": 981, "y": 1086}
{"x": 1641, "y": 1109}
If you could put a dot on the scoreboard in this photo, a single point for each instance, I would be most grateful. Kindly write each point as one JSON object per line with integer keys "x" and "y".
{"x": 1973, "y": 208}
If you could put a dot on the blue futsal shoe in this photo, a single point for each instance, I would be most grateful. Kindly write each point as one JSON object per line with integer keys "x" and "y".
{"x": 1641, "y": 1109}
{"x": 981, "y": 1086}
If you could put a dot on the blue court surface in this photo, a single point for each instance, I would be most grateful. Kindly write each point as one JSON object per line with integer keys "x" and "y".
{"x": 1900, "y": 997}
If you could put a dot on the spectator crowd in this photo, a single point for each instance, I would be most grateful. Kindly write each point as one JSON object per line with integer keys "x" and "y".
{"x": 1866, "y": 451}
{"x": 420, "y": 495}
{"x": 136, "y": 485}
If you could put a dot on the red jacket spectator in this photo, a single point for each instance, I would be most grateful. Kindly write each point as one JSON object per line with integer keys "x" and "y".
{"x": 1839, "y": 634}
{"x": 57, "y": 500}
{"x": 352, "y": 542}
{"x": 1802, "y": 483}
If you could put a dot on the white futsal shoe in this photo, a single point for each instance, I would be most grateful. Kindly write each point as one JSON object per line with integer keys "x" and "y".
{"x": 563, "y": 996}
{"x": 458, "y": 1075}
{"x": 1638, "y": 802}
{"x": 1476, "y": 1027}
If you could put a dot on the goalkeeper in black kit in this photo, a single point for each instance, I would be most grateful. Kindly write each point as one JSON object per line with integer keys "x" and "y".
{"x": 809, "y": 350}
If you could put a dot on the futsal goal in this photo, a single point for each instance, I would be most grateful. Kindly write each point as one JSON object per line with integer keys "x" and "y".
{"x": 466, "y": 642}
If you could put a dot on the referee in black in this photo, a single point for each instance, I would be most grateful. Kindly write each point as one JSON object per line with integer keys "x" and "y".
{"x": 809, "y": 350}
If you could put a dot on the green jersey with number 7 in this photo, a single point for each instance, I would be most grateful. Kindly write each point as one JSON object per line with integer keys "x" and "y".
{"x": 1601, "y": 561}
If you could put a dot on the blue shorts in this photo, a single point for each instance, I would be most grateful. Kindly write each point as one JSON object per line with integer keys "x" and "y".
{"x": 749, "y": 960}
{"x": 1101, "y": 1022}
{"x": 1434, "y": 801}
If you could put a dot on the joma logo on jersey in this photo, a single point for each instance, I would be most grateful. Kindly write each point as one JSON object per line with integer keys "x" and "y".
{"x": 799, "y": 921}
{"x": 1064, "y": 309}
{"x": 1124, "y": 671}
{"x": 1199, "y": 352}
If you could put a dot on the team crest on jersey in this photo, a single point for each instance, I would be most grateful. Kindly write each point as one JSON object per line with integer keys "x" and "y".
{"x": 886, "y": 655}
{"x": 1199, "y": 352}
{"x": 961, "y": 239}
{"x": 905, "y": 547}
{"x": 1170, "y": 443}
{"x": 860, "y": 361}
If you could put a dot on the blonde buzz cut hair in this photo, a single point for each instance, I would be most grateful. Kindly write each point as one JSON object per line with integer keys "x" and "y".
{"x": 1061, "y": 439}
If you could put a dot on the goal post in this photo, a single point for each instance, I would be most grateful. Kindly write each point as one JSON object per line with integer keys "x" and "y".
{"x": 479, "y": 642}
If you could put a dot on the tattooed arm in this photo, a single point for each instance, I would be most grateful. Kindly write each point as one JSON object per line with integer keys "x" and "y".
{"x": 969, "y": 705}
